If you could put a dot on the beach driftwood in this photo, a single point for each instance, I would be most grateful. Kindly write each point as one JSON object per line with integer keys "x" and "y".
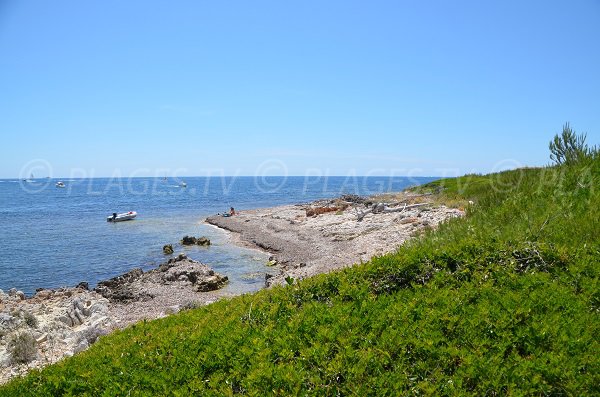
{"x": 380, "y": 208}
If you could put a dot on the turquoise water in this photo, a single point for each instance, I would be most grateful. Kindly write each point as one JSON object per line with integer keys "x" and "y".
{"x": 54, "y": 237}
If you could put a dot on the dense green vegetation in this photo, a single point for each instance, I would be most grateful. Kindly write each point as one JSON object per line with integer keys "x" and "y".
{"x": 504, "y": 301}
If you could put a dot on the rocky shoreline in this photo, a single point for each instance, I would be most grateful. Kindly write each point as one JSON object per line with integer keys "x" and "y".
{"x": 57, "y": 323}
{"x": 303, "y": 240}
{"x": 325, "y": 235}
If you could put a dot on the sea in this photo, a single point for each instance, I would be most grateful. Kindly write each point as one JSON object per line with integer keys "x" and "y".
{"x": 57, "y": 237}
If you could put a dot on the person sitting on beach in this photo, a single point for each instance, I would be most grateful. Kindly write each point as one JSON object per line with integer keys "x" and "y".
{"x": 231, "y": 211}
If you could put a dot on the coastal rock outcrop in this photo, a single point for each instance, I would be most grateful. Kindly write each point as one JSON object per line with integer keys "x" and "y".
{"x": 190, "y": 240}
{"x": 55, "y": 323}
{"x": 139, "y": 286}
{"x": 121, "y": 289}
{"x": 168, "y": 249}
{"x": 42, "y": 329}
{"x": 201, "y": 276}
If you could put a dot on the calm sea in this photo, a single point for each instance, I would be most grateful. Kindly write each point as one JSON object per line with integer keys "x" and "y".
{"x": 53, "y": 237}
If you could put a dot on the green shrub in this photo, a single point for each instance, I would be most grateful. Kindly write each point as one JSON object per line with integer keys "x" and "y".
{"x": 30, "y": 319}
{"x": 22, "y": 348}
{"x": 568, "y": 147}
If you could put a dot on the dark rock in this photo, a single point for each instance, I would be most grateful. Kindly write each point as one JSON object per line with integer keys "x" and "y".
{"x": 125, "y": 278}
{"x": 203, "y": 241}
{"x": 353, "y": 198}
{"x": 268, "y": 278}
{"x": 123, "y": 294}
{"x": 212, "y": 283}
{"x": 189, "y": 240}
{"x": 165, "y": 266}
{"x": 83, "y": 285}
{"x": 118, "y": 289}
{"x": 168, "y": 249}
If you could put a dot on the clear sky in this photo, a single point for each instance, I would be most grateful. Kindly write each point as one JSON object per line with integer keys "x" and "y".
{"x": 101, "y": 88}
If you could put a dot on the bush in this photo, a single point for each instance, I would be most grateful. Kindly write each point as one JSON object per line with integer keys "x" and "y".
{"x": 568, "y": 147}
{"x": 30, "y": 320}
{"x": 22, "y": 348}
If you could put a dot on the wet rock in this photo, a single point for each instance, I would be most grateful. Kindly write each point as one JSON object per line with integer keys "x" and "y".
{"x": 83, "y": 285}
{"x": 212, "y": 283}
{"x": 268, "y": 278}
{"x": 190, "y": 240}
{"x": 203, "y": 241}
{"x": 168, "y": 249}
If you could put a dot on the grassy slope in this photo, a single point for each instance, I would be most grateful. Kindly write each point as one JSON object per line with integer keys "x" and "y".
{"x": 506, "y": 301}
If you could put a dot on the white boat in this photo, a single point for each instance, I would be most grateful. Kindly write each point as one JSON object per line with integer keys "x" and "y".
{"x": 183, "y": 184}
{"x": 60, "y": 184}
{"x": 126, "y": 216}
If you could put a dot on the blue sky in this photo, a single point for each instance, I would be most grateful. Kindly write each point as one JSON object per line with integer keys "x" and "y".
{"x": 301, "y": 87}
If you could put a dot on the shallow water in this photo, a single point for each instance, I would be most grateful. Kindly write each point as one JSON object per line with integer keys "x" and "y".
{"x": 53, "y": 237}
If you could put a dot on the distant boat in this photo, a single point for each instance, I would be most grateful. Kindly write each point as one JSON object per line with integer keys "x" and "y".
{"x": 183, "y": 184}
{"x": 126, "y": 216}
{"x": 165, "y": 179}
{"x": 31, "y": 177}
{"x": 60, "y": 184}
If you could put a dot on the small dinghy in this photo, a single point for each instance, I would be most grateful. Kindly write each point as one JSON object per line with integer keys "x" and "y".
{"x": 126, "y": 216}
{"x": 60, "y": 184}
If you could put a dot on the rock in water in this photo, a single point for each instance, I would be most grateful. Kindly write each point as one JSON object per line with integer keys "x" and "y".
{"x": 212, "y": 283}
{"x": 190, "y": 240}
{"x": 83, "y": 285}
{"x": 203, "y": 241}
{"x": 168, "y": 249}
